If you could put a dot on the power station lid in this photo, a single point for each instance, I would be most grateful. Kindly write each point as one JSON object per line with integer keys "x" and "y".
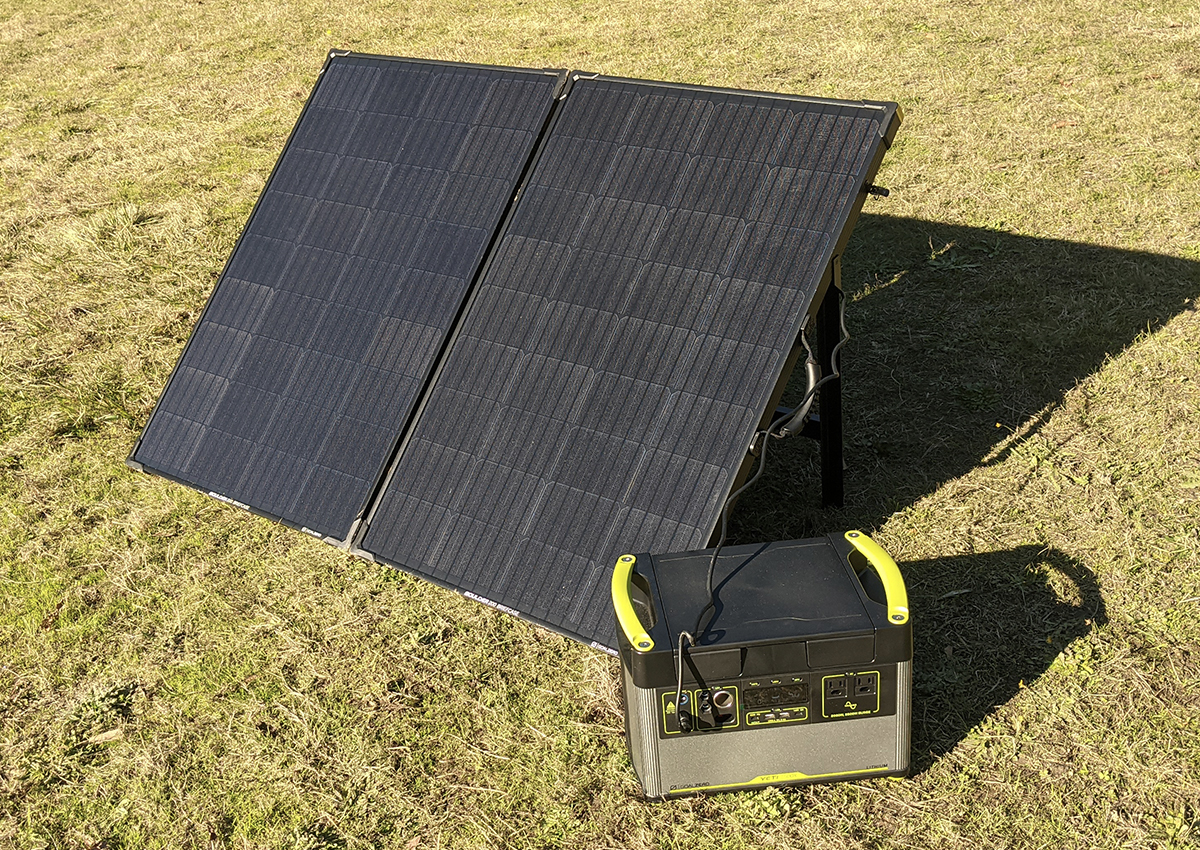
{"x": 763, "y": 593}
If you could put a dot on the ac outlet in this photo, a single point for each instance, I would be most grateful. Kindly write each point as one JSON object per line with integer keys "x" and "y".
{"x": 866, "y": 685}
{"x": 837, "y": 687}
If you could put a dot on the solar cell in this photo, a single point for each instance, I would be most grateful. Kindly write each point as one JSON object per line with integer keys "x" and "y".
{"x": 335, "y": 304}
{"x": 616, "y": 357}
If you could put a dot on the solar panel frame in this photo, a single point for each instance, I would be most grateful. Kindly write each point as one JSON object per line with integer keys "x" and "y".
{"x": 598, "y": 634}
{"x": 557, "y": 78}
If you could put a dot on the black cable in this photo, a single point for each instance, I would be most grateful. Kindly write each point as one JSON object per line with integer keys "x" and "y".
{"x": 686, "y": 725}
{"x": 712, "y": 564}
{"x": 769, "y": 431}
{"x": 783, "y": 420}
{"x": 685, "y": 720}
{"x": 835, "y": 371}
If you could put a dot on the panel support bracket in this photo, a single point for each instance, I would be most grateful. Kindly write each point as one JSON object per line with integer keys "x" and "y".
{"x": 826, "y": 424}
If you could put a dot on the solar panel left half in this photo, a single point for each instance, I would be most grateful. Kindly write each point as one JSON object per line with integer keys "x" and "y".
{"x": 328, "y": 319}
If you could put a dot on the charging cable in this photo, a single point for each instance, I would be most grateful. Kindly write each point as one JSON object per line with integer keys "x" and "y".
{"x": 784, "y": 426}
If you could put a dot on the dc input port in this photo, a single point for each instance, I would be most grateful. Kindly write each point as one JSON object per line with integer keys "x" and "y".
{"x": 723, "y": 703}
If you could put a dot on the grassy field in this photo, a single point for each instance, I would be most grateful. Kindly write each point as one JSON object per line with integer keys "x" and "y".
{"x": 1023, "y": 434}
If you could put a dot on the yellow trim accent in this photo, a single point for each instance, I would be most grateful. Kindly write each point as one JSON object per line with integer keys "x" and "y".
{"x": 667, "y": 698}
{"x": 889, "y": 574}
{"x": 693, "y": 698}
{"x": 775, "y": 779}
{"x": 853, "y": 712}
{"x": 802, "y": 709}
{"x": 637, "y": 636}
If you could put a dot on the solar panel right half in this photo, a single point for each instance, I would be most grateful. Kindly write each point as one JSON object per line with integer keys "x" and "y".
{"x": 628, "y": 333}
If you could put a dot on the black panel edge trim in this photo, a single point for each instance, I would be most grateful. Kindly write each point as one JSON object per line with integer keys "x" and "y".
{"x": 363, "y": 524}
{"x": 131, "y": 460}
{"x": 887, "y": 107}
{"x": 894, "y": 122}
{"x": 250, "y": 509}
{"x": 475, "y": 597}
{"x": 383, "y": 475}
{"x": 380, "y": 58}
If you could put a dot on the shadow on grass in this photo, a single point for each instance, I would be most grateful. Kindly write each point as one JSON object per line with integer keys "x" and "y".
{"x": 957, "y": 331}
{"x": 984, "y": 626}
{"x": 961, "y": 330}
{"x": 964, "y": 341}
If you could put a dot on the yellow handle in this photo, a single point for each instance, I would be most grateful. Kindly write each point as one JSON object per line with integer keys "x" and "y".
{"x": 888, "y": 572}
{"x": 626, "y": 616}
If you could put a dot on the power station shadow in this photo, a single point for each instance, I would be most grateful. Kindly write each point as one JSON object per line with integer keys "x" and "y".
{"x": 985, "y": 625}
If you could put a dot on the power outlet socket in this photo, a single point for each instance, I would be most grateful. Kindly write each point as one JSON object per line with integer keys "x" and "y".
{"x": 865, "y": 685}
{"x": 837, "y": 687}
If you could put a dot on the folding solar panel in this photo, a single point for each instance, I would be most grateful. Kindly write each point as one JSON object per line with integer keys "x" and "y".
{"x": 336, "y": 302}
{"x": 627, "y": 334}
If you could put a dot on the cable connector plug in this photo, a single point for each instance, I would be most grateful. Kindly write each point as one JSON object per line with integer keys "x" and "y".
{"x": 796, "y": 421}
{"x": 683, "y": 716}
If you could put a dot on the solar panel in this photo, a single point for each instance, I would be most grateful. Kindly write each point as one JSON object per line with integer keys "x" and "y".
{"x": 619, "y": 351}
{"x": 322, "y": 330}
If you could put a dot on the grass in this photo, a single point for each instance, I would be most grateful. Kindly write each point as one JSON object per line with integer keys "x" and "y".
{"x": 1022, "y": 397}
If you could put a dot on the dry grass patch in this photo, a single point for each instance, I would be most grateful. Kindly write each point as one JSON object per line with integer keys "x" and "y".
{"x": 1022, "y": 400}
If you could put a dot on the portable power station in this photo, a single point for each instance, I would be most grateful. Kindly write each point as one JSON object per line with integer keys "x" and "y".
{"x": 803, "y": 672}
